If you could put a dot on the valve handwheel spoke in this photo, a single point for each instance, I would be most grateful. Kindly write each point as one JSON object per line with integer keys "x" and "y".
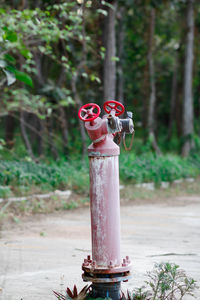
{"x": 111, "y": 106}
{"x": 114, "y": 105}
{"x": 117, "y": 109}
{"x": 87, "y": 112}
{"x": 85, "y": 116}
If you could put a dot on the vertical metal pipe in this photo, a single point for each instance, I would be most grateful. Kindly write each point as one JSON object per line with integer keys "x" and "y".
{"x": 106, "y": 290}
{"x": 105, "y": 210}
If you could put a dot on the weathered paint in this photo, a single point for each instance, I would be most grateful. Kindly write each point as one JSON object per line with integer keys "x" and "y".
{"x": 107, "y": 147}
{"x": 97, "y": 130}
{"x": 105, "y": 210}
{"x": 97, "y": 154}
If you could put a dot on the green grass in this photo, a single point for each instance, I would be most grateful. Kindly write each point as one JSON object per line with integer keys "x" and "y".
{"x": 151, "y": 168}
{"x": 21, "y": 177}
{"x": 5, "y": 191}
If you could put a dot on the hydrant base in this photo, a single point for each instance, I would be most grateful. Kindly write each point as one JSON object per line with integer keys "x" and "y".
{"x": 106, "y": 290}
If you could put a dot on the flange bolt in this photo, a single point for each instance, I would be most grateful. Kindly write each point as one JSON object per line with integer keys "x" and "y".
{"x": 93, "y": 263}
{"x": 124, "y": 264}
{"x": 85, "y": 263}
{"x": 110, "y": 265}
{"x": 89, "y": 259}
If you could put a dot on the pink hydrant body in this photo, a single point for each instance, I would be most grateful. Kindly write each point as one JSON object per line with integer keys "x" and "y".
{"x": 105, "y": 210}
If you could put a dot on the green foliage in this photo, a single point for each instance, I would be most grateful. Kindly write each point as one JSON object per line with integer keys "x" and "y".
{"x": 2, "y": 144}
{"x": 74, "y": 174}
{"x": 49, "y": 47}
{"x": 167, "y": 282}
{"x": 196, "y": 139}
{"x": 70, "y": 205}
{"x": 138, "y": 294}
{"x": 48, "y": 177}
{"x": 10, "y": 77}
{"x": 8, "y": 41}
{"x": 54, "y": 35}
{"x": 40, "y": 43}
{"x": 22, "y": 98}
{"x": 23, "y": 77}
{"x": 5, "y": 191}
{"x": 149, "y": 167}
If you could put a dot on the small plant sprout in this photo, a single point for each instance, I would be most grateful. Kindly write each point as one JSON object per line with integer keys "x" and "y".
{"x": 73, "y": 294}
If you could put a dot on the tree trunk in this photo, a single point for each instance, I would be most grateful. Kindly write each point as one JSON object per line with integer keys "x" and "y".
{"x": 120, "y": 46}
{"x": 81, "y": 123}
{"x": 62, "y": 117}
{"x": 199, "y": 112}
{"x": 64, "y": 127}
{"x": 145, "y": 95}
{"x": 9, "y": 131}
{"x": 41, "y": 137}
{"x": 38, "y": 63}
{"x": 179, "y": 94}
{"x": 152, "y": 98}
{"x": 187, "y": 92}
{"x": 50, "y": 138}
{"x": 173, "y": 97}
{"x": 25, "y": 135}
{"x": 23, "y": 5}
{"x": 109, "y": 61}
{"x": 145, "y": 81}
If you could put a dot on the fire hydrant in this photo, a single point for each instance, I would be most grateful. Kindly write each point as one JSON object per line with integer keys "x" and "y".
{"x": 105, "y": 269}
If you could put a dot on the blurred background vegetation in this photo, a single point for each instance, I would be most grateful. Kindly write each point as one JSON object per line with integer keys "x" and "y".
{"x": 56, "y": 56}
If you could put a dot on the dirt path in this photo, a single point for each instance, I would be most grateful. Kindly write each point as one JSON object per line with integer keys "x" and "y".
{"x": 46, "y": 252}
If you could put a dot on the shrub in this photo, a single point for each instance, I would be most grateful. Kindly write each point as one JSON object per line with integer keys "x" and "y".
{"x": 148, "y": 167}
{"x": 20, "y": 173}
{"x": 5, "y": 191}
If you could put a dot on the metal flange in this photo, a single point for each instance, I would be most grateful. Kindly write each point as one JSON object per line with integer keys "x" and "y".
{"x": 109, "y": 279}
{"x": 109, "y": 274}
{"x": 99, "y": 270}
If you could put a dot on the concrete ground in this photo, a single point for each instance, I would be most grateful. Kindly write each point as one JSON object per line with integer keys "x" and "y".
{"x": 44, "y": 253}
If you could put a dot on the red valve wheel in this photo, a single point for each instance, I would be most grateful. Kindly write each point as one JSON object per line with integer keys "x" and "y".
{"x": 114, "y": 105}
{"x": 87, "y": 112}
